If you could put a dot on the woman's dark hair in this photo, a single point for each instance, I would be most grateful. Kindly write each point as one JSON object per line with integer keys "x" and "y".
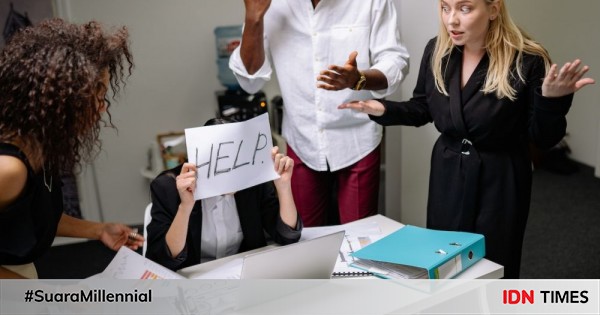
{"x": 50, "y": 84}
{"x": 219, "y": 121}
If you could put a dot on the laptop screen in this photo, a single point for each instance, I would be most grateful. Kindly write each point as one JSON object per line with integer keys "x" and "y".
{"x": 310, "y": 259}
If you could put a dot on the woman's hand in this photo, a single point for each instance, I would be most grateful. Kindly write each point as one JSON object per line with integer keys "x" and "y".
{"x": 371, "y": 107}
{"x": 566, "y": 81}
{"x": 115, "y": 235}
{"x": 186, "y": 185}
{"x": 284, "y": 166}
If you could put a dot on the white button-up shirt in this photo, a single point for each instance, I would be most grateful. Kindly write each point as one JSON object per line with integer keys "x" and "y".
{"x": 221, "y": 230}
{"x": 299, "y": 43}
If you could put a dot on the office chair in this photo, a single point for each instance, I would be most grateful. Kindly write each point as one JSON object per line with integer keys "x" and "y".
{"x": 147, "y": 219}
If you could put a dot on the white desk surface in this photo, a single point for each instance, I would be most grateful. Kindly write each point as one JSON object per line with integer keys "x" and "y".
{"x": 483, "y": 269}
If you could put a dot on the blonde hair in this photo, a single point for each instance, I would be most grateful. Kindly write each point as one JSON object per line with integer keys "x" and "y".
{"x": 505, "y": 43}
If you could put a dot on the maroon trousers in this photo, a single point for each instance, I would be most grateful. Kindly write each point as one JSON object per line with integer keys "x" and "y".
{"x": 357, "y": 189}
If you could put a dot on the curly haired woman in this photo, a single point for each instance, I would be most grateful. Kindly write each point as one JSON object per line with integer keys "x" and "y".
{"x": 53, "y": 83}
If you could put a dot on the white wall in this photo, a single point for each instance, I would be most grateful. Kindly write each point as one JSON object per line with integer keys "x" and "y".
{"x": 569, "y": 30}
{"x": 408, "y": 149}
{"x": 175, "y": 79}
{"x": 172, "y": 87}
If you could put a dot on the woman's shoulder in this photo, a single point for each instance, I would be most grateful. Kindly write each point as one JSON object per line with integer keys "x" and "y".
{"x": 532, "y": 58}
{"x": 430, "y": 45}
{"x": 533, "y": 64}
{"x": 13, "y": 177}
{"x": 429, "y": 48}
{"x": 166, "y": 178}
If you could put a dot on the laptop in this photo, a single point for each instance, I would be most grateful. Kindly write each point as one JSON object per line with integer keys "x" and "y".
{"x": 310, "y": 259}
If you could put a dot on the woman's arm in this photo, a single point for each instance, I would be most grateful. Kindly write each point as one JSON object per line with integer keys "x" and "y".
{"x": 7, "y": 274}
{"x": 113, "y": 235}
{"x": 284, "y": 166}
{"x": 177, "y": 233}
{"x": 550, "y": 97}
{"x": 414, "y": 112}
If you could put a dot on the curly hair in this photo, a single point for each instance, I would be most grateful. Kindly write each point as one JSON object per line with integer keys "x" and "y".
{"x": 51, "y": 87}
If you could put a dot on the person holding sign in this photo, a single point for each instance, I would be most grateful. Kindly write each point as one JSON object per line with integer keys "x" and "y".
{"x": 54, "y": 80}
{"x": 490, "y": 90}
{"x": 185, "y": 231}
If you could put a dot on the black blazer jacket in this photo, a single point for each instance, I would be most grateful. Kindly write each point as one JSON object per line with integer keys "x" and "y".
{"x": 258, "y": 210}
{"x": 480, "y": 178}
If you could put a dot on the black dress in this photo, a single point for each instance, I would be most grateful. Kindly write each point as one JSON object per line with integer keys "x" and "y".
{"x": 480, "y": 178}
{"x": 28, "y": 225}
{"x": 258, "y": 210}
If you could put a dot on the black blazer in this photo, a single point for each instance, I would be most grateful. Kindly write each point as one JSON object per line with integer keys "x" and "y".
{"x": 258, "y": 210}
{"x": 482, "y": 185}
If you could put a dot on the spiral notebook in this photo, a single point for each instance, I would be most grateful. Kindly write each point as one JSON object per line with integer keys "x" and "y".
{"x": 349, "y": 245}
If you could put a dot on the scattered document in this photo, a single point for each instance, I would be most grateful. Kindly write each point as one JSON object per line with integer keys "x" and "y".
{"x": 128, "y": 264}
{"x": 229, "y": 270}
{"x": 343, "y": 265}
{"x": 357, "y": 236}
{"x": 355, "y": 229}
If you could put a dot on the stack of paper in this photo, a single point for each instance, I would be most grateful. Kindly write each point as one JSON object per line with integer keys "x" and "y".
{"x": 390, "y": 270}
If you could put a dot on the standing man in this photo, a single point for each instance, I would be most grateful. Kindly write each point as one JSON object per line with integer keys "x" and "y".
{"x": 325, "y": 53}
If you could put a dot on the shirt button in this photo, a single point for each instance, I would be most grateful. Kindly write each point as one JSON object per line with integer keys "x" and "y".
{"x": 315, "y": 34}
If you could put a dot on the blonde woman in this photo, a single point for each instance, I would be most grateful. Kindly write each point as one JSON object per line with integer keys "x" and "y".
{"x": 490, "y": 90}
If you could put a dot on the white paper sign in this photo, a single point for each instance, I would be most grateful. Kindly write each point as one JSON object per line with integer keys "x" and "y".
{"x": 231, "y": 157}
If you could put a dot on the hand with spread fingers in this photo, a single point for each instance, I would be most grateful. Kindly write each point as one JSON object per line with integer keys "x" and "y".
{"x": 569, "y": 79}
{"x": 371, "y": 107}
{"x": 337, "y": 78}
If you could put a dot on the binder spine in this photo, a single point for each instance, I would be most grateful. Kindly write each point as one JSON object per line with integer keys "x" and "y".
{"x": 473, "y": 253}
{"x": 459, "y": 262}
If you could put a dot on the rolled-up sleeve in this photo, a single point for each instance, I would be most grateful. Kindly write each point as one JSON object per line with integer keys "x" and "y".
{"x": 288, "y": 234}
{"x": 163, "y": 213}
{"x": 251, "y": 83}
{"x": 388, "y": 54}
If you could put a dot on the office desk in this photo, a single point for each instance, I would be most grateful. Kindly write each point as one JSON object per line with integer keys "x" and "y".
{"x": 483, "y": 269}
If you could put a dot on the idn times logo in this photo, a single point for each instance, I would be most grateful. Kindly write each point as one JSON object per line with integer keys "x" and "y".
{"x": 513, "y": 297}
